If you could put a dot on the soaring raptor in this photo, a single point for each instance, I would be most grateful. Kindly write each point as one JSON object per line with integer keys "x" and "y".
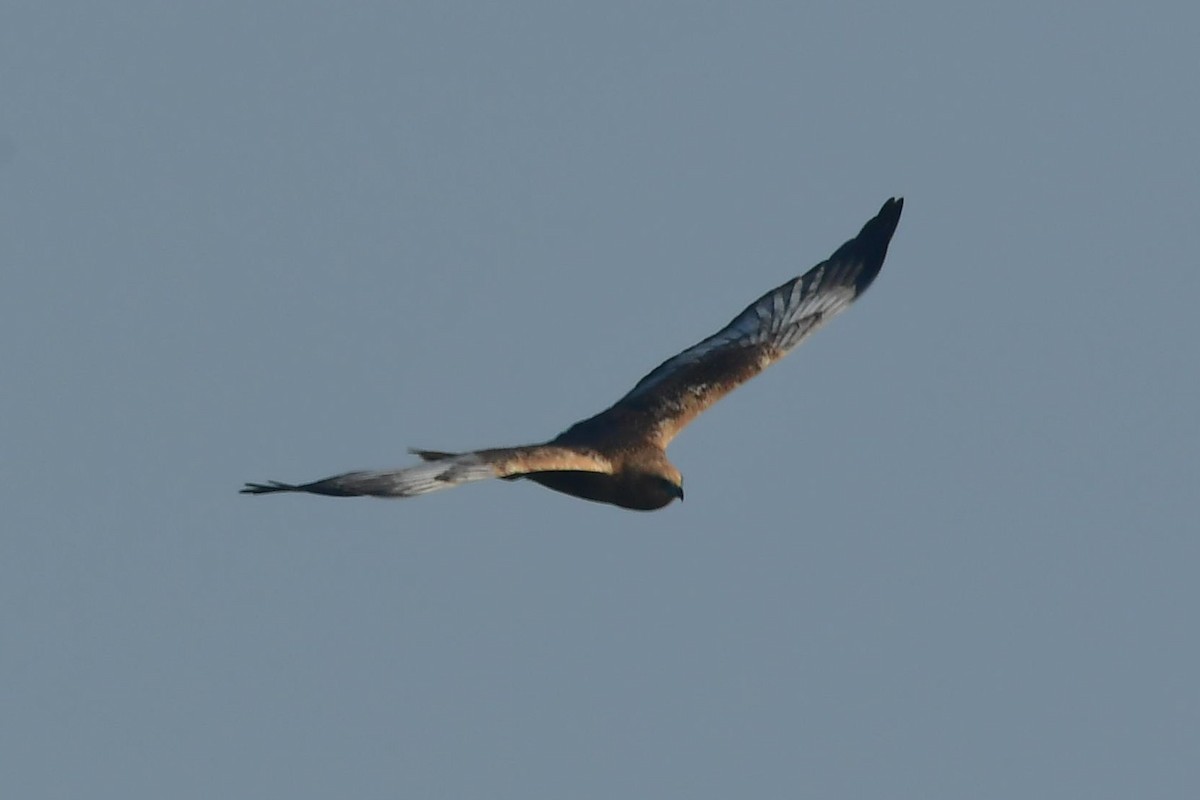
{"x": 619, "y": 456}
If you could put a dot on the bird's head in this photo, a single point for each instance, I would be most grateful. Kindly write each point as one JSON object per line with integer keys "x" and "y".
{"x": 664, "y": 486}
{"x": 650, "y": 488}
{"x": 672, "y": 486}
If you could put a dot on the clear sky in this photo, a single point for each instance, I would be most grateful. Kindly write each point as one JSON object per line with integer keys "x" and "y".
{"x": 947, "y": 549}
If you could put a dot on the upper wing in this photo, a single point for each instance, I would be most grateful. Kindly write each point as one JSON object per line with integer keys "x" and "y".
{"x": 680, "y": 388}
{"x": 445, "y": 471}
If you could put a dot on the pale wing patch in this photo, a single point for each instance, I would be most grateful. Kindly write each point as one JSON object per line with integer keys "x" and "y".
{"x": 781, "y": 319}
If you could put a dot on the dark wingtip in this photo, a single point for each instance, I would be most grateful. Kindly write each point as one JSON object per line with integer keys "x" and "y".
{"x": 266, "y": 488}
{"x": 883, "y": 224}
{"x": 871, "y": 245}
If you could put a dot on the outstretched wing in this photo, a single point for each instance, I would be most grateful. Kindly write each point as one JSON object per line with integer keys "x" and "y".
{"x": 680, "y": 388}
{"x": 445, "y": 471}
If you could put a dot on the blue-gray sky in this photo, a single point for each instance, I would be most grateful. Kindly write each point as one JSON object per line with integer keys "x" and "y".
{"x": 946, "y": 549}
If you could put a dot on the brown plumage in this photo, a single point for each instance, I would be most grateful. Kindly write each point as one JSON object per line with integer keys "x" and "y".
{"x": 619, "y": 456}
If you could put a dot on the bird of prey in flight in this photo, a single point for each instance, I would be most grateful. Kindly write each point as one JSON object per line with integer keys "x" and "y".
{"x": 619, "y": 456}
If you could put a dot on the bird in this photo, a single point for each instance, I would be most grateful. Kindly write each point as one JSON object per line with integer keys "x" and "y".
{"x": 619, "y": 455}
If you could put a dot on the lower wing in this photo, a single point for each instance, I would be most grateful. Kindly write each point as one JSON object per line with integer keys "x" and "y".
{"x": 444, "y": 471}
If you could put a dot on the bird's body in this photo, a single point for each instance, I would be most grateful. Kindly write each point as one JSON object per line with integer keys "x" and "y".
{"x": 619, "y": 455}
